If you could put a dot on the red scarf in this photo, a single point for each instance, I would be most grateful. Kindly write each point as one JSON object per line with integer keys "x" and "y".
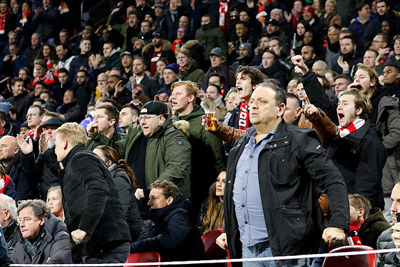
{"x": 176, "y": 45}
{"x": 47, "y": 79}
{"x": 3, "y": 21}
{"x": 223, "y": 12}
{"x": 4, "y": 181}
{"x": 244, "y": 116}
{"x": 352, "y": 236}
{"x": 48, "y": 62}
{"x": 24, "y": 18}
{"x": 63, "y": 8}
{"x": 182, "y": 68}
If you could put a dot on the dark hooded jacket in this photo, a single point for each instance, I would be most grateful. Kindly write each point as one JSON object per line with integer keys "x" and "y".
{"x": 175, "y": 235}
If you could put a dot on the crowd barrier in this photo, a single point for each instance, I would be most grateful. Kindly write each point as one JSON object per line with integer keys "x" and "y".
{"x": 304, "y": 256}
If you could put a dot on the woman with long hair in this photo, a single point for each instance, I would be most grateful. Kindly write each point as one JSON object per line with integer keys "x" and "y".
{"x": 124, "y": 180}
{"x": 213, "y": 217}
{"x": 48, "y": 54}
{"x": 54, "y": 201}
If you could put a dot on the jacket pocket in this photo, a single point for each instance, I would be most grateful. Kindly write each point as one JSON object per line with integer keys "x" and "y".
{"x": 295, "y": 227}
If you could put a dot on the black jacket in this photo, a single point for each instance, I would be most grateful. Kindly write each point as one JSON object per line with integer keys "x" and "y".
{"x": 21, "y": 104}
{"x": 175, "y": 235}
{"x": 293, "y": 168}
{"x": 91, "y": 203}
{"x": 360, "y": 157}
{"x": 22, "y": 172}
{"x": 47, "y": 167}
{"x": 53, "y": 245}
{"x": 275, "y": 72}
{"x": 123, "y": 186}
{"x": 150, "y": 85}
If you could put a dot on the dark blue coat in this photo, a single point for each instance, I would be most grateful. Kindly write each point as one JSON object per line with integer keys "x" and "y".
{"x": 175, "y": 235}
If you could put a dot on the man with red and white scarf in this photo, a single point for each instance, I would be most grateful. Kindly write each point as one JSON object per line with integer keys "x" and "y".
{"x": 247, "y": 79}
{"x": 354, "y": 144}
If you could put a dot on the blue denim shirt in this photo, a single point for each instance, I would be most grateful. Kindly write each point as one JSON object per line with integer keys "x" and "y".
{"x": 246, "y": 192}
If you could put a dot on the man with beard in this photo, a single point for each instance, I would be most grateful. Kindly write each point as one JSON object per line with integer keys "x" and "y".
{"x": 117, "y": 90}
{"x": 47, "y": 164}
{"x": 83, "y": 89}
{"x": 150, "y": 85}
{"x": 158, "y": 48}
{"x": 348, "y": 58}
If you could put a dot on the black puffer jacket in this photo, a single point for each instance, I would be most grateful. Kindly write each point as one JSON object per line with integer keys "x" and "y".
{"x": 175, "y": 235}
{"x": 293, "y": 168}
{"x": 91, "y": 203}
{"x": 53, "y": 245}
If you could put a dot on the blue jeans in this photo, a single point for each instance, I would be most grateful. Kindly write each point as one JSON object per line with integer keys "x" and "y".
{"x": 263, "y": 250}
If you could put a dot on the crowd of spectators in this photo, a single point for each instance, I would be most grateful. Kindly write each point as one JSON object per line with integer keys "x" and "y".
{"x": 105, "y": 122}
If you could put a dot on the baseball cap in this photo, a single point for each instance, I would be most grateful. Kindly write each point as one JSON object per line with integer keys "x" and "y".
{"x": 154, "y": 108}
{"x": 127, "y": 53}
{"x": 56, "y": 121}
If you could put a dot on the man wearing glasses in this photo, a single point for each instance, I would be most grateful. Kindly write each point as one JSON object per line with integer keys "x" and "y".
{"x": 157, "y": 150}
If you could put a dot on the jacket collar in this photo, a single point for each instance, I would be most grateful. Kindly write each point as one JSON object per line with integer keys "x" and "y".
{"x": 71, "y": 153}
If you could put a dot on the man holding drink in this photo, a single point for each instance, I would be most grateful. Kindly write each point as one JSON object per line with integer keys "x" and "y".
{"x": 208, "y": 155}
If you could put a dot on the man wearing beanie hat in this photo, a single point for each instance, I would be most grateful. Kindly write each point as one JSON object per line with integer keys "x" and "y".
{"x": 171, "y": 75}
{"x": 157, "y": 150}
{"x": 245, "y": 56}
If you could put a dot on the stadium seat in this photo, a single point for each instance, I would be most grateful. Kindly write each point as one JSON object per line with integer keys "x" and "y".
{"x": 150, "y": 256}
{"x": 368, "y": 260}
{"x": 213, "y": 251}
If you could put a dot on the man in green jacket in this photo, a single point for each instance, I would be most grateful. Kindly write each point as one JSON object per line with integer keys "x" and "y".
{"x": 188, "y": 67}
{"x": 157, "y": 150}
{"x": 102, "y": 129}
{"x": 208, "y": 154}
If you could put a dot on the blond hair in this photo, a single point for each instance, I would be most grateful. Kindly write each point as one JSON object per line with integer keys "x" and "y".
{"x": 191, "y": 87}
{"x": 56, "y": 189}
{"x": 360, "y": 101}
{"x": 73, "y": 132}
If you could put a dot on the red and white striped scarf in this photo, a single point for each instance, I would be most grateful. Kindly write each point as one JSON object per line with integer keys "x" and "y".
{"x": 223, "y": 12}
{"x": 357, "y": 124}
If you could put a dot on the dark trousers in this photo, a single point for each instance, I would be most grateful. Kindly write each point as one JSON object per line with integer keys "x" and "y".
{"x": 118, "y": 254}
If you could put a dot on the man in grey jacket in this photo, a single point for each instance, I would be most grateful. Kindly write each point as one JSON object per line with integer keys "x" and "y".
{"x": 43, "y": 238}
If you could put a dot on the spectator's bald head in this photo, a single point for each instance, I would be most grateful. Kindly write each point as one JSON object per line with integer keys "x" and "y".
{"x": 8, "y": 148}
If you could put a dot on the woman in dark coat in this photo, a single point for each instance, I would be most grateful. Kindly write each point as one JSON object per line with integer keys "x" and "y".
{"x": 124, "y": 180}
